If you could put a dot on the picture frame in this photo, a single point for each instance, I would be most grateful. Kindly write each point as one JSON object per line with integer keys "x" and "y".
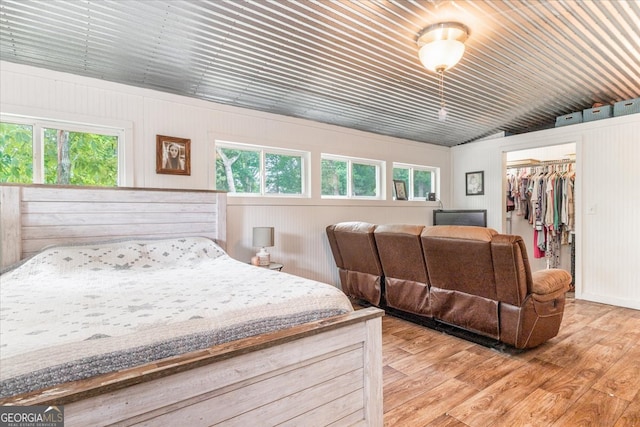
{"x": 173, "y": 155}
{"x": 474, "y": 183}
{"x": 400, "y": 188}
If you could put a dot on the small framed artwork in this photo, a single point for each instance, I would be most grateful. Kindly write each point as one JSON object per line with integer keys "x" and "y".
{"x": 173, "y": 155}
{"x": 401, "y": 189}
{"x": 475, "y": 183}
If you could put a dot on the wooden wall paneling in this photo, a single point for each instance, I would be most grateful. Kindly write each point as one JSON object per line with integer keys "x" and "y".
{"x": 10, "y": 228}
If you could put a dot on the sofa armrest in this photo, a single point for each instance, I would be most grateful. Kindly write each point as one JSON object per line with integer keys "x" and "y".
{"x": 550, "y": 282}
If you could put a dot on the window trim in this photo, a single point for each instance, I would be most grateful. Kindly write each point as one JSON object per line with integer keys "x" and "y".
{"x": 435, "y": 174}
{"x": 263, "y": 150}
{"x": 380, "y": 171}
{"x": 38, "y": 124}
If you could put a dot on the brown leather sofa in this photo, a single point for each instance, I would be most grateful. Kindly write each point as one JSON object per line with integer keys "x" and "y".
{"x": 470, "y": 277}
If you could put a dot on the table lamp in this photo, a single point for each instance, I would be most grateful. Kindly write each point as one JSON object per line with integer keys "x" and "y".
{"x": 263, "y": 238}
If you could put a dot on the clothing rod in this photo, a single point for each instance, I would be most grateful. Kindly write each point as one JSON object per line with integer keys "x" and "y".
{"x": 545, "y": 163}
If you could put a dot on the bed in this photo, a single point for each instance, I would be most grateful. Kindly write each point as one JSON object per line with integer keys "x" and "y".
{"x": 171, "y": 355}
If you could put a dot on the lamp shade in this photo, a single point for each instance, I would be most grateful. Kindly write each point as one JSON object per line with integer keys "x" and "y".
{"x": 441, "y": 46}
{"x": 263, "y": 237}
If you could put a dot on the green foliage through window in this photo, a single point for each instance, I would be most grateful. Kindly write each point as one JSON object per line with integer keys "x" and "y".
{"x": 420, "y": 179}
{"x": 334, "y": 177}
{"x": 344, "y": 177}
{"x": 75, "y": 158}
{"x": 241, "y": 170}
{"x": 16, "y": 153}
{"x": 364, "y": 178}
{"x": 283, "y": 174}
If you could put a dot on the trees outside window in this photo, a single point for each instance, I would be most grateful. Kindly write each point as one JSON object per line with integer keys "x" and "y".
{"x": 244, "y": 169}
{"x": 350, "y": 178}
{"x": 334, "y": 177}
{"x": 16, "y": 153}
{"x": 421, "y": 180}
{"x": 36, "y": 153}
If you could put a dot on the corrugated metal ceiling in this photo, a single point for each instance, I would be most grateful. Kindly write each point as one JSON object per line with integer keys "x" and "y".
{"x": 349, "y": 63}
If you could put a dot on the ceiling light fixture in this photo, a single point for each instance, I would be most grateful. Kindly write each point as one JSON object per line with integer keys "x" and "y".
{"x": 441, "y": 46}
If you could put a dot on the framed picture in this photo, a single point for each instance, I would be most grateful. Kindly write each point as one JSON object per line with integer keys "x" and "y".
{"x": 173, "y": 155}
{"x": 401, "y": 189}
{"x": 475, "y": 183}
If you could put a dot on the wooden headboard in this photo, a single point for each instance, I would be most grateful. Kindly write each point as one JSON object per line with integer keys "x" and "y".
{"x": 33, "y": 217}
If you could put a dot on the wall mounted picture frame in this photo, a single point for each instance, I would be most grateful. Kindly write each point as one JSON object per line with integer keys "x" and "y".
{"x": 475, "y": 183}
{"x": 173, "y": 155}
{"x": 400, "y": 188}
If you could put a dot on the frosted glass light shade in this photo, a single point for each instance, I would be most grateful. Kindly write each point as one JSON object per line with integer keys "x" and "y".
{"x": 263, "y": 237}
{"x": 441, "y": 46}
{"x": 441, "y": 55}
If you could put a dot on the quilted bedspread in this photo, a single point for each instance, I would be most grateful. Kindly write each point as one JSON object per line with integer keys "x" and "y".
{"x": 77, "y": 311}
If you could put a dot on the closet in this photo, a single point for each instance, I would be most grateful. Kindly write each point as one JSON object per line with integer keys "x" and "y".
{"x": 540, "y": 205}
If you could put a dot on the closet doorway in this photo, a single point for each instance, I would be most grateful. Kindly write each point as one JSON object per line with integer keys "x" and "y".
{"x": 540, "y": 204}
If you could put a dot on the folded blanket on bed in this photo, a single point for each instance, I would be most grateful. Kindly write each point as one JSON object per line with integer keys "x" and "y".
{"x": 77, "y": 311}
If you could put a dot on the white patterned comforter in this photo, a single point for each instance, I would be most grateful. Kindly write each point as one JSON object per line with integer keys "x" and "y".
{"x": 77, "y": 311}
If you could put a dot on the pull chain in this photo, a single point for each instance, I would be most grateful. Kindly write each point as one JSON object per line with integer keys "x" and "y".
{"x": 442, "y": 114}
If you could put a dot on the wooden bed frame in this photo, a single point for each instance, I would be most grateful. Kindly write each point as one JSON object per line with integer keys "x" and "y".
{"x": 327, "y": 372}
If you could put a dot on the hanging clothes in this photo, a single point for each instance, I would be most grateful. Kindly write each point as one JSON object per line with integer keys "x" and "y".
{"x": 544, "y": 196}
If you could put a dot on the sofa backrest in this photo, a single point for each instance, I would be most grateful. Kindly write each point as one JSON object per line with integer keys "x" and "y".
{"x": 405, "y": 272}
{"x": 512, "y": 269}
{"x": 400, "y": 251}
{"x": 333, "y": 244}
{"x": 459, "y": 258}
{"x": 357, "y": 247}
{"x": 478, "y": 261}
{"x": 354, "y": 249}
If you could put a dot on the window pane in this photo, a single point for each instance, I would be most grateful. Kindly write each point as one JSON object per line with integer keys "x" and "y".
{"x": 80, "y": 158}
{"x": 334, "y": 177}
{"x": 238, "y": 171}
{"x": 283, "y": 174}
{"x": 421, "y": 183}
{"x": 401, "y": 174}
{"x": 16, "y": 153}
{"x": 364, "y": 180}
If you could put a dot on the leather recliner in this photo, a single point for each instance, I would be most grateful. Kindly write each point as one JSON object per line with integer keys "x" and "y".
{"x": 481, "y": 280}
{"x": 471, "y": 277}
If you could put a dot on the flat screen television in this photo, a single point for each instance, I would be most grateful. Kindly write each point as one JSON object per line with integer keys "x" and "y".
{"x": 477, "y": 217}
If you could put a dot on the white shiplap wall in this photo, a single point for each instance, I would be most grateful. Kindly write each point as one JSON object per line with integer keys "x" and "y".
{"x": 300, "y": 238}
{"x": 607, "y": 199}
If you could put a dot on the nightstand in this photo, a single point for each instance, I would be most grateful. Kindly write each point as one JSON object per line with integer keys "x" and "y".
{"x": 274, "y": 266}
{"x": 271, "y": 266}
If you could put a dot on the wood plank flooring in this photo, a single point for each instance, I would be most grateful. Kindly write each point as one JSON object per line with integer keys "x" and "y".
{"x": 589, "y": 375}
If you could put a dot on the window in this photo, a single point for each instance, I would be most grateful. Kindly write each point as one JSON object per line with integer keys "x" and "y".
{"x": 246, "y": 169}
{"x": 46, "y": 153}
{"x": 421, "y": 180}
{"x": 350, "y": 178}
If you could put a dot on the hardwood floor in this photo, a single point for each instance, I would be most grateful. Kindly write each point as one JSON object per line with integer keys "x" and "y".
{"x": 589, "y": 375}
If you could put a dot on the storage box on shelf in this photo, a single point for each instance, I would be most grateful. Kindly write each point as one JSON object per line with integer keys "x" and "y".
{"x": 596, "y": 113}
{"x": 629, "y": 106}
{"x": 569, "y": 119}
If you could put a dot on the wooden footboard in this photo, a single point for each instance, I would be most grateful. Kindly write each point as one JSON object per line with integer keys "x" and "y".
{"x": 327, "y": 372}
